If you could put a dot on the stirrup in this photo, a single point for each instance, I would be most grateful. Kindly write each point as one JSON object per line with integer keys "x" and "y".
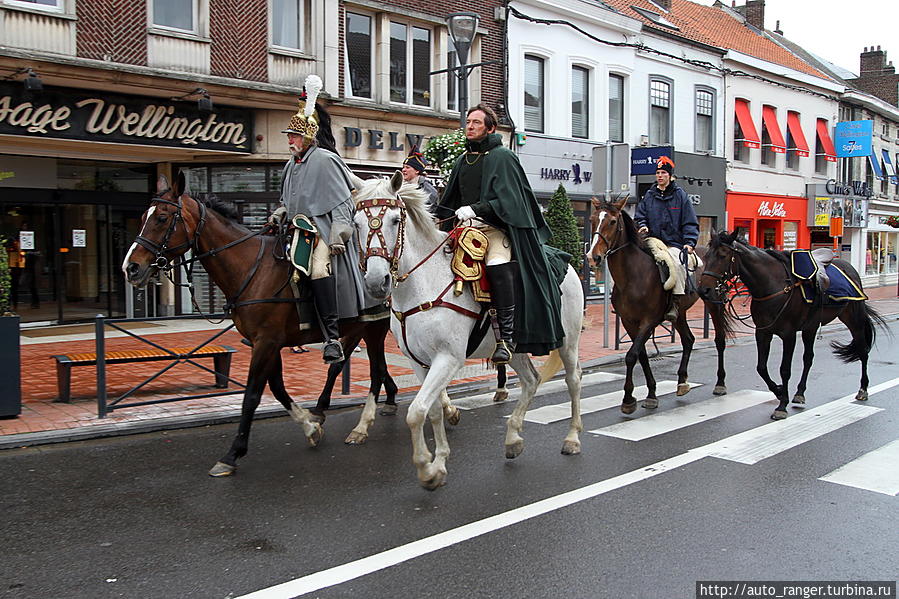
{"x": 502, "y": 353}
{"x": 332, "y": 352}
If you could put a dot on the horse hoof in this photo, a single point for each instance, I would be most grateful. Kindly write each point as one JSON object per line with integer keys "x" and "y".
{"x": 316, "y": 417}
{"x": 454, "y": 416}
{"x": 388, "y": 409}
{"x": 650, "y": 403}
{"x": 500, "y": 395}
{"x": 514, "y": 450}
{"x": 315, "y": 437}
{"x": 222, "y": 469}
{"x": 719, "y": 390}
{"x": 355, "y": 438}
{"x": 862, "y": 395}
{"x": 629, "y": 408}
{"x": 683, "y": 389}
{"x": 435, "y": 481}
{"x": 779, "y": 415}
{"x": 800, "y": 399}
{"x": 571, "y": 448}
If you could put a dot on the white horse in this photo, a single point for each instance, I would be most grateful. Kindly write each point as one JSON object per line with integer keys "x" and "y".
{"x": 397, "y": 234}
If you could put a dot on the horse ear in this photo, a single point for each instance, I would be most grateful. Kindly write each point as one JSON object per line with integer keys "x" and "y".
{"x": 162, "y": 185}
{"x": 184, "y": 182}
{"x": 180, "y": 184}
{"x": 596, "y": 203}
{"x": 396, "y": 181}
{"x": 620, "y": 203}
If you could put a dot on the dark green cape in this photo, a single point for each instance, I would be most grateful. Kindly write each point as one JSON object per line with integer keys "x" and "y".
{"x": 506, "y": 200}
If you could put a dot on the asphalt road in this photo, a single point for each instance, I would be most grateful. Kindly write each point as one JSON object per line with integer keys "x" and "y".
{"x": 138, "y": 516}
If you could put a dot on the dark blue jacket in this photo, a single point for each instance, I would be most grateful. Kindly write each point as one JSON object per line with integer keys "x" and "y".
{"x": 669, "y": 216}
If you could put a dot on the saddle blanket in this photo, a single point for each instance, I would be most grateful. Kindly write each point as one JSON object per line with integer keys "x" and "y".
{"x": 842, "y": 288}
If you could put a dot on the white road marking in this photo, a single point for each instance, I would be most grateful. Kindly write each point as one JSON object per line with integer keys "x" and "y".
{"x": 875, "y": 471}
{"x": 486, "y": 399}
{"x": 562, "y": 411}
{"x": 397, "y": 555}
{"x": 645, "y": 427}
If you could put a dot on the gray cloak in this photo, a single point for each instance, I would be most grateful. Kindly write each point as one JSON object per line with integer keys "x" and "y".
{"x": 319, "y": 186}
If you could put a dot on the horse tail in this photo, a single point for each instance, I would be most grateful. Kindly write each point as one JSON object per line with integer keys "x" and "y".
{"x": 860, "y": 346}
{"x": 552, "y": 365}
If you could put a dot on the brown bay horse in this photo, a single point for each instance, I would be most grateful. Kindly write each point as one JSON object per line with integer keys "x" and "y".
{"x": 779, "y": 308}
{"x": 256, "y": 284}
{"x": 641, "y": 301}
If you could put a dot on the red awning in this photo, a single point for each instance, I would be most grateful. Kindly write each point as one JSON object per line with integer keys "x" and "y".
{"x": 824, "y": 137}
{"x": 750, "y": 137}
{"x": 769, "y": 118}
{"x": 795, "y": 128}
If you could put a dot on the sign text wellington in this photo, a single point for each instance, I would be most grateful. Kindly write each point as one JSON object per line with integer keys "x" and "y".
{"x": 122, "y": 119}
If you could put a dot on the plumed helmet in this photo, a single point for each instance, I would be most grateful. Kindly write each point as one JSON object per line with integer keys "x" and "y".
{"x": 305, "y": 121}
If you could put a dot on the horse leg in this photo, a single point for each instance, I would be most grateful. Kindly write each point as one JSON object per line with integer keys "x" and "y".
{"x": 377, "y": 367}
{"x": 501, "y": 393}
{"x": 763, "y": 349}
{"x": 527, "y": 381}
{"x": 434, "y": 381}
{"x": 808, "y": 355}
{"x": 452, "y": 414}
{"x": 259, "y": 374}
{"x": 311, "y": 426}
{"x": 686, "y": 340}
{"x": 652, "y": 401}
{"x": 569, "y": 355}
{"x": 861, "y": 325}
{"x": 374, "y": 335}
{"x": 638, "y": 344}
{"x": 789, "y": 345}
{"x": 720, "y": 343}
{"x": 348, "y": 343}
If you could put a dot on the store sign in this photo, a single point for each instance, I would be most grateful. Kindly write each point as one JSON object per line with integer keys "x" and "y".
{"x": 772, "y": 209}
{"x": 57, "y": 113}
{"x": 375, "y": 139}
{"x": 574, "y": 174}
{"x": 853, "y": 138}
{"x": 644, "y": 160}
{"x": 856, "y": 188}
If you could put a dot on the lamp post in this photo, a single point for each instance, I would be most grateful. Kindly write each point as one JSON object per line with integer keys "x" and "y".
{"x": 462, "y": 27}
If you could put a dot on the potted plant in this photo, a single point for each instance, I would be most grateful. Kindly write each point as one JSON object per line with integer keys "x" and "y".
{"x": 10, "y": 374}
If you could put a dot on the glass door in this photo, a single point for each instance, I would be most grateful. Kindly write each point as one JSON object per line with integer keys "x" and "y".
{"x": 31, "y": 233}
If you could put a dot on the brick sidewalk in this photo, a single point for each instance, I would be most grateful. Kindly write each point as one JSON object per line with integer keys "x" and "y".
{"x": 304, "y": 376}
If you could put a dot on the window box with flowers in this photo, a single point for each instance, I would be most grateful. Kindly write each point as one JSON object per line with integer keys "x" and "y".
{"x": 893, "y": 221}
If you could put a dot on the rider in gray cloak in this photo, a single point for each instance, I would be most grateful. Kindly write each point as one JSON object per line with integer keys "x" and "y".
{"x": 317, "y": 184}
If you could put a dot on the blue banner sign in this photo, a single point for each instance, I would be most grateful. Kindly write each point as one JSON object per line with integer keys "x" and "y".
{"x": 643, "y": 160}
{"x": 853, "y": 138}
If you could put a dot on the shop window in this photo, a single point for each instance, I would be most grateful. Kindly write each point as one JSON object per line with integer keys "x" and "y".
{"x": 452, "y": 82}
{"x": 410, "y": 64}
{"x": 197, "y": 178}
{"x": 289, "y": 23}
{"x": 880, "y": 257}
{"x": 580, "y": 102}
{"x": 359, "y": 55}
{"x": 534, "y": 99}
{"x": 616, "y": 108}
{"x": 659, "y": 112}
{"x": 791, "y": 235}
{"x": 705, "y": 120}
{"x": 103, "y": 176}
{"x": 238, "y": 179}
{"x": 706, "y": 230}
{"x": 179, "y": 15}
{"x": 792, "y": 154}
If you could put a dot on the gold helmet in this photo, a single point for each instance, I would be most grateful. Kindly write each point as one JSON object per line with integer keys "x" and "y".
{"x": 305, "y": 121}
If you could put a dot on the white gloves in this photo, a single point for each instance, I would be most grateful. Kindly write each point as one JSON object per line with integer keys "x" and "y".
{"x": 278, "y": 216}
{"x": 465, "y": 213}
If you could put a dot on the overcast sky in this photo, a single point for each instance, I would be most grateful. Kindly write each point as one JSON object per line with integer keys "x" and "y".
{"x": 836, "y": 30}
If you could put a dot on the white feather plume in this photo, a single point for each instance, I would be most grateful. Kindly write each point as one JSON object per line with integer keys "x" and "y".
{"x": 313, "y": 85}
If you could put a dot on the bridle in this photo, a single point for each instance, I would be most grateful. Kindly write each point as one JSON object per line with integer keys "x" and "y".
{"x": 159, "y": 250}
{"x": 598, "y": 234}
{"x": 375, "y": 222}
{"x": 727, "y": 280}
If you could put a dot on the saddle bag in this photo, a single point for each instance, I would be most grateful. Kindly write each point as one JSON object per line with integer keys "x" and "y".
{"x": 302, "y": 242}
{"x": 468, "y": 262}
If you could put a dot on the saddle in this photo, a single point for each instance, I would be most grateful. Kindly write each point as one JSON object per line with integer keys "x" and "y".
{"x": 469, "y": 252}
{"x": 663, "y": 259}
{"x": 819, "y": 275}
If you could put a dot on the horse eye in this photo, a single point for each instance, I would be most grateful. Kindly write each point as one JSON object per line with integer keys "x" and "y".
{"x": 395, "y": 219}
{"x": 161, "y": 218}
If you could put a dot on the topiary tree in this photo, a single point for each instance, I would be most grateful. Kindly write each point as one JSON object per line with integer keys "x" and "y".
{"x": 560, "y": 218}
{"x": 443, "y": 150}
{"x": 5, "y": 281}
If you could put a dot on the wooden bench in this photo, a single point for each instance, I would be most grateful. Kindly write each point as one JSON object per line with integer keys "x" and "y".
{"x": 221, "y": 355}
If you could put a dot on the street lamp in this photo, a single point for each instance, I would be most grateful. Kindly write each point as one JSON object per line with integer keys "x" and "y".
{"x": 462, "y": 28}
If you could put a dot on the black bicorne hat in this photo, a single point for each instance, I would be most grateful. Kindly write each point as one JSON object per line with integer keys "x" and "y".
{"x": 416, "y": 160}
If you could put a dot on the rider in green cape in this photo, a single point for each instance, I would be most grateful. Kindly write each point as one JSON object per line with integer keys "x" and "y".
{"x": 488, "y": 184}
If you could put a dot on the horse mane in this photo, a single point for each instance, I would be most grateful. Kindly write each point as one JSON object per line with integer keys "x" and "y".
{"x": 223, "y": 208}
{"x": 415, "y": 200}
{"x": 630, "y": 227}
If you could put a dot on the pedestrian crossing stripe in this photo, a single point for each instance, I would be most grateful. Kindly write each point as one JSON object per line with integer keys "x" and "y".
{"x": 486, "y": 399}
{"x": 874, "y": 471}
{"x": 647, "y": 426}
{"x": 595, "y": 403}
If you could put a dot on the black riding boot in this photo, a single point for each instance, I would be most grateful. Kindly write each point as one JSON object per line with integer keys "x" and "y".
{"x": 671, "y": 315}
{"x": 502, "y": 293}
{"x": 324, "y": 294}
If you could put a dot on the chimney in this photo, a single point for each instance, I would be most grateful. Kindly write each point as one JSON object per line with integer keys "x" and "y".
{"x": 777, "y": 28}
{"x": 666, "y": 4}
{"x": 755, "y": 13}
{"x": 872, "y": 62}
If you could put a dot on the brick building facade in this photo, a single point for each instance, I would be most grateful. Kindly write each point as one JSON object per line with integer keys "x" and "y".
{"x": 877, "y": 76}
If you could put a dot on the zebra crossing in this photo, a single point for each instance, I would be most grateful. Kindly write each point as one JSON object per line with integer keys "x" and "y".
{"x": 874, "y": 471}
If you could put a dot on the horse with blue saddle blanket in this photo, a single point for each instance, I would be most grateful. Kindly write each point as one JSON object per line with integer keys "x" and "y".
{"x": 793, "y": 292}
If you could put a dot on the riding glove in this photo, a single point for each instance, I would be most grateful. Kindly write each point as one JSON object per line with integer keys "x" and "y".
{"x": 465, "y": 213}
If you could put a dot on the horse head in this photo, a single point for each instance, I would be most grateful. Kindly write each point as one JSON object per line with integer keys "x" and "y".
{"x": 380, "y": 219}
{"x": 608, "y": 228}
{"x": 168, "y": 230}
{"x": 722, "y": 266}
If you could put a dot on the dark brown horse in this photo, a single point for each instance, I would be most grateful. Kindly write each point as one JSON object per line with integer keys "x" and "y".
{"x": 254, "y": 280}
{"x": 641, "y": 301}
{"x": 779, "y": 308}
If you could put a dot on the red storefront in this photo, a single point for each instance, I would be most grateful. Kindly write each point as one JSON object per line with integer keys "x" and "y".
{"x": 769, "y": 221}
